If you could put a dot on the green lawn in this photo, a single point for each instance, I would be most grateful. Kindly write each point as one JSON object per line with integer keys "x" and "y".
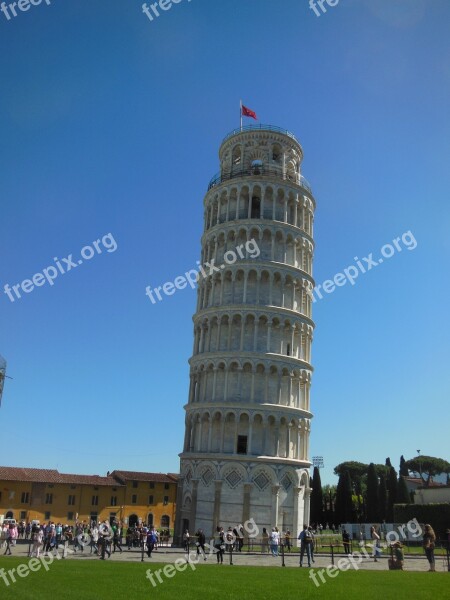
{"x": 94, "y": 579}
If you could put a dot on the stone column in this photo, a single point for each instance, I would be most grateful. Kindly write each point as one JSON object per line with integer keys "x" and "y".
{"x": 275, "y": 500}
{"x": 216, "y": 511}
{"x": 193, "y": 515}
{"x": 178, "y": 534}
{"x": 246, "y": 506}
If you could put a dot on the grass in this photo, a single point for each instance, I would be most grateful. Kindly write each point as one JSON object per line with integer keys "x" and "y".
{"x": 78, "y": 579}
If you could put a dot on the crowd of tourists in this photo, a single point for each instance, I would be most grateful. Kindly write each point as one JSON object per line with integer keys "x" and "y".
{"x": 101, "y": 539}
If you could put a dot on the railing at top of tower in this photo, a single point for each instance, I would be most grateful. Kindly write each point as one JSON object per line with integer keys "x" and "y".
{"x": 260, "y": 171}
{"x": 263, "y": 128}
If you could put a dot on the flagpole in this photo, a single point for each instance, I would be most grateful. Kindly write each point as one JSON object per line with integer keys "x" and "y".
{"x": 240, "y": 113}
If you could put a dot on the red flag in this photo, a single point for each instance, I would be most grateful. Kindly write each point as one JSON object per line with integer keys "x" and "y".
{"x": 246, "y": 112}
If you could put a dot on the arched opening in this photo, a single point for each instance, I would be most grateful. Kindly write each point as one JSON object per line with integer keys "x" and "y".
{"x": 150, "y": 520}
{"x": 165, "y": 522}
{"x": 9, "y": 515}
{"x": 255, "y": 208}
{"x": 133, "y": 521}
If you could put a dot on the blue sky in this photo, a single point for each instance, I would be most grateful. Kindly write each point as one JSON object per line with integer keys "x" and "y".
{"x": 111, "y": 123}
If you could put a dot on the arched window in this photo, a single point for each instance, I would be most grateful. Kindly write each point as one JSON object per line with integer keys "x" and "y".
{"x": 237, "y": 156}
{"x": 150, "y": 520}
{"x": 165, "y": 521}
{"x": 276, "y": 153}
{"x": 256, "y": 208}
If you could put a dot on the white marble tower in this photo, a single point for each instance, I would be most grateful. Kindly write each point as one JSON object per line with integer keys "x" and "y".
{"x": 246, "y": 448}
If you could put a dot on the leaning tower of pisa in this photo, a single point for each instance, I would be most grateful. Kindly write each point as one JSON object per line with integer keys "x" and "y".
{"x": 246, "y": 446}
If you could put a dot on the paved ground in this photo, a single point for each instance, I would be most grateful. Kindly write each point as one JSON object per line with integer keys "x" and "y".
{"x": 169, "y": 555}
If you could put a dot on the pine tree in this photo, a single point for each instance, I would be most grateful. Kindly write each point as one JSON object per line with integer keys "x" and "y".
{"x": 403, "y": 469}
{"x": 372, "y": 495}
{"x": 388, "y": 462}
{"x": 316, "y": 498}
{"x": 344, "y": 501}
{"x": 382, "y": 499}
{"x": 403, "y": 496}
{"x": 392, "y": 486}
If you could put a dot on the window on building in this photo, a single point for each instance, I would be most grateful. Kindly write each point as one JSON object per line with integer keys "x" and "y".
{"x": 242, "y": 444}
{"x": 113, "y": 500}
{"x": 73, "y": 487}
{"x": 71, "y": 500}
{"x": 288, "y": 350}
{"x": 50, "y": 485}
{"x": 256, "y": 208}
{"x": 166, "y": 500}
{"x": 47, "y": 516}
{"x": 25, "y": 498}
{"x": 94, "y": 516}
{"x": 134, "y": 499}
{"x": 166, "y": 486}
{"x": 165, "y": 521}
{"x": 135, "y": 484}
{"x": 94, "y": 501}
{"x": 23, "y": 515}
{"x": 152, "y": 485}
{"x": 48, "y": 499}
{"x": 151, "y": 499}
{"x": 70, "y": 516}
{"x": 0, "y": 496}
{"x": 96, "y": 487}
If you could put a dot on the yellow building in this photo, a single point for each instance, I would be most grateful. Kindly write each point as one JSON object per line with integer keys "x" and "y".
{"x": 127, "y": 496}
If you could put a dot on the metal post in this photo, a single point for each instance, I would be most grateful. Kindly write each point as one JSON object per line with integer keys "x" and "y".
{"x": 332, "y": 554}
{"x": 231, "y": 554}
{"x": 143, "y": 546}
{"x": 282, "y": 555}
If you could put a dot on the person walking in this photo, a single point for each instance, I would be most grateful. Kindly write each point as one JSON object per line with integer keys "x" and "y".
{"x": 117, "y": 540}
{"x": 287, "y": 541}
{"x": 274, "y": 541}
{"x": 346, "y": 541}
{"x": 151, "y": 541}
{"x": 264, "y": 541}
{"x": 9, "y": 541}
{"x": 186, "y": 539}
{"x": 220, "y": 545}
{"x": 312, "y": 544}
{"x": 200, "y": 543}
{"x": 375, "y": 542}
{"x": 305, "y": 545}
{"x": 429, "y": 541}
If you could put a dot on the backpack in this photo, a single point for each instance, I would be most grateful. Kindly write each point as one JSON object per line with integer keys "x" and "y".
{"x": 308, "y": 536}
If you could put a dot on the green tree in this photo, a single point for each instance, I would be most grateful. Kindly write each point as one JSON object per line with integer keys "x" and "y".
{"x": 388, "y": 462}
{"x": 392, "y": 486}
{"x": 382, "y": 498}
{"x": 427, "y": 467}
{"x": 403, "y": 496}
{"x": 344, "y": 500}
{"x": 403, "y": 469}
{"x": 372, "y": 512}
{"x": 355, "y": 469}
{"x": 316, "y": 498}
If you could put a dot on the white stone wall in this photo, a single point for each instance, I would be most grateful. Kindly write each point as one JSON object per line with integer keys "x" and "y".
{"x": 246, "y": 447}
